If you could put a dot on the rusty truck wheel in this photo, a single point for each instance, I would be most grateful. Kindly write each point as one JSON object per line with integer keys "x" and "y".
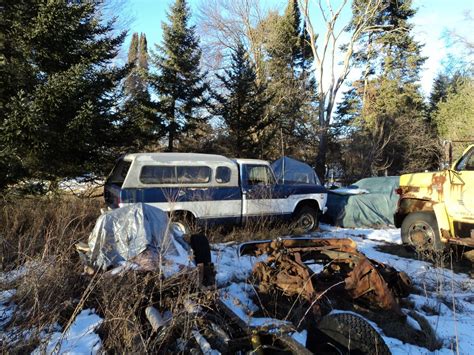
{"x": 346, "y": 333}
{"x": 420, "y": 230}
{"x": 306, "y": 219}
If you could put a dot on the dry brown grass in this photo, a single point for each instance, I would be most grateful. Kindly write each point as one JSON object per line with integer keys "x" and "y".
{"x": 257, "y": 230}
{"x": 39, "y": 234}
{"x": 43, "y": 228}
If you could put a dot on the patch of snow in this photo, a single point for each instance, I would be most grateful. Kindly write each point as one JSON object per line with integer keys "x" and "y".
{"x": 14, "y": 275}
{"x": 237, "y": 297}
{"x": 81, "y": 183}
{"x": 79, "y": 339}
{"x": 300, "y": 337}
{"x": 7, "y": 308}
{"x": 230, "y": 267}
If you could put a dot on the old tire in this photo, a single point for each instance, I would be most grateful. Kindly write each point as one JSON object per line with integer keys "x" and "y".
{"x": 420, "y": 230}
{"x": 346, "y": 333}
{"x": 306, "y": 219}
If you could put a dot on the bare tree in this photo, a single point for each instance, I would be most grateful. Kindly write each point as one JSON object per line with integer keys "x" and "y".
{"x": 223, "y": 24}
{"x": 337, "y": 42}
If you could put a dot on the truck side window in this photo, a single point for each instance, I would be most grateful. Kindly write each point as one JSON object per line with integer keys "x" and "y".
{"x": 467, "y": 162}
{"x": 158, "y": 174}
{"x": 258, "y": 175}
{"x": 223, "y": 174}
{"x": 194, "y": 174}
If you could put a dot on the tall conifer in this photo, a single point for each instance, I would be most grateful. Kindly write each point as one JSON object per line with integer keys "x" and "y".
{"x": 179, "y": 83}
{"x": 140, "y": 126}
{"x": 243, "y": 105}
{"x": 58, "y": 110}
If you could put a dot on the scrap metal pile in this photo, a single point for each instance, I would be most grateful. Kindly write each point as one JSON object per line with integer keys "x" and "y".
{"x": 347, "y": 274}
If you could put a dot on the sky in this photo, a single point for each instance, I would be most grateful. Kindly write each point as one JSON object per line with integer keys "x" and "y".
{"x": 432, "y": 22}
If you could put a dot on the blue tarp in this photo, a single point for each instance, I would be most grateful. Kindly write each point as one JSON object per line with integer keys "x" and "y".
{"x": 374, "y": 208}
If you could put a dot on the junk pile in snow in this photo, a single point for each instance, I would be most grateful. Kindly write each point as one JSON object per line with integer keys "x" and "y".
{"x": 291, "y": 294}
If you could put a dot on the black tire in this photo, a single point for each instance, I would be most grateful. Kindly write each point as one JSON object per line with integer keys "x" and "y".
{"x": 346, "y": 333}
{"x": 201, "y": 249}
{"x": 420, "y": 230}
{"x": 306, "y": 219}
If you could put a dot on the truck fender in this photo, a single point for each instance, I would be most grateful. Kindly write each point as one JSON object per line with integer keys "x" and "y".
{"x": 442, "y": 220}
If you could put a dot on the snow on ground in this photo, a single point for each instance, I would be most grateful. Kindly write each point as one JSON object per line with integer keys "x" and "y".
{"x": 444, "y": 298}
{"x": 81, "y": 183}
{"x": 78, "y": 339}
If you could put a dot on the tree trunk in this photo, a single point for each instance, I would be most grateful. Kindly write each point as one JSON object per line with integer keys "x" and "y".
{"x": 321, "y": 157}
{"x": 171, "y": 128}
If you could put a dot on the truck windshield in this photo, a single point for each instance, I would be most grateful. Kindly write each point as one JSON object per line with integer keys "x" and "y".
{"x": 467, "y": 162}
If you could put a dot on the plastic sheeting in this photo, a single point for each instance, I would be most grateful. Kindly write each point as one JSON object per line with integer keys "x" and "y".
{"x": 372, "y": 209}
{"x": 136, "y": 232}
{"x": 291, "y": 171}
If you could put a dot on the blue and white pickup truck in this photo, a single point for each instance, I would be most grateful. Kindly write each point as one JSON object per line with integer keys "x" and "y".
{"x": 212, "y": 189}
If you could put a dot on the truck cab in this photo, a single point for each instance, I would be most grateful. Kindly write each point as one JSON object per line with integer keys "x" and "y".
{"x": 436, "y": 209}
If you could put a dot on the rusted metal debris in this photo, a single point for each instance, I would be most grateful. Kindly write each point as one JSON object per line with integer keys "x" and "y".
{"x": 347, "y": 273}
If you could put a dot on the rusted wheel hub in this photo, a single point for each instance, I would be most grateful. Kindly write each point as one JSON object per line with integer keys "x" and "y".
{"x": 306, "y": 222}
{"x": 421, "y": 235}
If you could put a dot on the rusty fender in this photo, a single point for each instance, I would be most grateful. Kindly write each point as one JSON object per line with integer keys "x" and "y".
{"x": 364, "y": 279}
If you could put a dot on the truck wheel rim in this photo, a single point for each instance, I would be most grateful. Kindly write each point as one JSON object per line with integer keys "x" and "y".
{"x": 306, "y": 222}
{"x": 180, "y": 227}
{"x": 421, "y": 234}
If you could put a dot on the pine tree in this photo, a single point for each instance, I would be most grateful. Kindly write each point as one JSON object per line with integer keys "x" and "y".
{"x": 243, "y": 106}
{"x": 179, "y": 83}
{"x": 60, "y": 88}
{"x": 140, "y": 126}
{"x": 288, "y": 81}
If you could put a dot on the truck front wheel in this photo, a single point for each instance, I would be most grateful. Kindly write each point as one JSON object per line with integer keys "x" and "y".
{"x": 420, "y": 230}
{"x": 306, "y": 219}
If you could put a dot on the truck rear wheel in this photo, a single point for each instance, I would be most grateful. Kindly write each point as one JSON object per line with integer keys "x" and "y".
{"x": 420, "y": 230}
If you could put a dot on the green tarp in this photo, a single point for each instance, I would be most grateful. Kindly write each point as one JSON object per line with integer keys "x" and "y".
{"x": 374, "y": 208}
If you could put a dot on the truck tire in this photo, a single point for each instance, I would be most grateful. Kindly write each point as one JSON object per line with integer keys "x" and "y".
{"x": 346, "y": 333}
{"x": 420, "y": 230}
{"x": 306, "y": 219}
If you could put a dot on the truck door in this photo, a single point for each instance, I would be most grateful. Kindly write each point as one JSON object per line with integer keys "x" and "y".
{"x": 260, "y": 196}
{"x": 461, "y": 204}
{"x": 114, "y": 182}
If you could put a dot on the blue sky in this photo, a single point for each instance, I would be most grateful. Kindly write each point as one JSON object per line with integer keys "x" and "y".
{"x": 431, "y": 24}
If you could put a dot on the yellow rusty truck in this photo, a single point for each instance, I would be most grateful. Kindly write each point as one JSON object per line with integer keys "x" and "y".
{"x": 436, "y": 209}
